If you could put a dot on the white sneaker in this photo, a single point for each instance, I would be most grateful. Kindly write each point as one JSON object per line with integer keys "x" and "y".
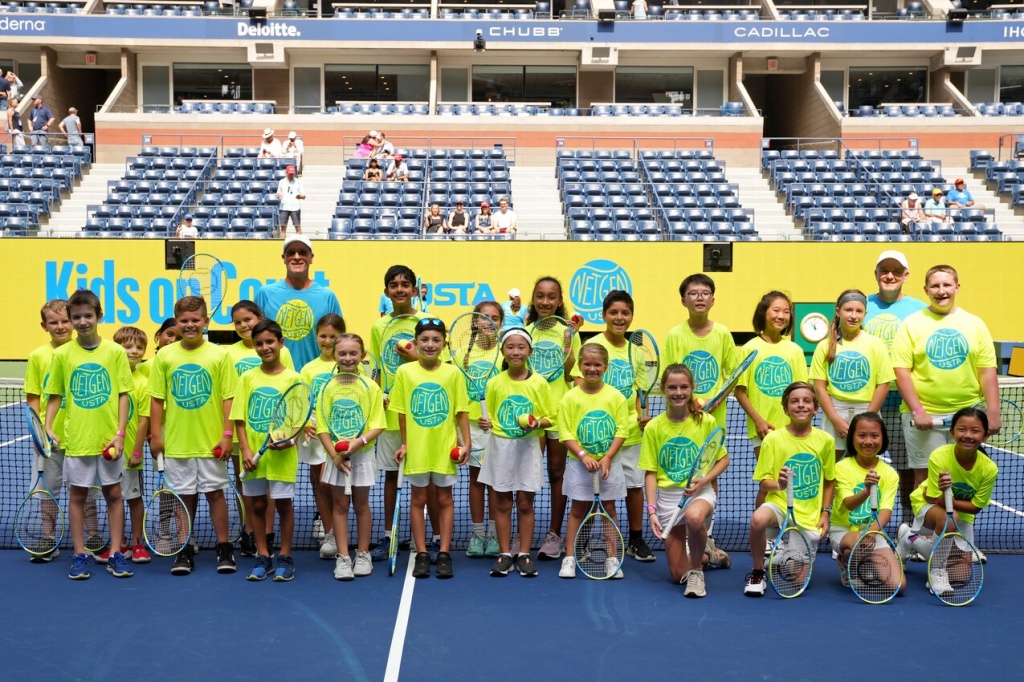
{"x": 343, "y": 568}
{"x": 612, "y": 569}
{"x": 980, "y": 556}
{"x": 694, "y": 581}
{"x": 318, "y": 529}
{"x": 552, "y": 547}
{"x": 903, "y": 547}
{"x": 568, "y": 568}
{"x": 938, "y": 584}
{"x": 329, "y": 548}
{"x": 363, "y": 565}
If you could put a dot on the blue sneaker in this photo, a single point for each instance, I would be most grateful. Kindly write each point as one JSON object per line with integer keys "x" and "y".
{"x": 285, "y": 569}
{"x": 117, "y": 566}
{"x": 433, "y": 550}
{"x": 261, "y": 569}
{"x": 80, "y": 567}
{"x": 380, "y": 552}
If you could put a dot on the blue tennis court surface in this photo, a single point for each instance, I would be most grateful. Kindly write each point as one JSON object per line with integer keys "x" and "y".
{"x": 207, "y": 626}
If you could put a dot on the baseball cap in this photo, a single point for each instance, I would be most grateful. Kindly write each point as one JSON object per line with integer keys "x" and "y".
{"x": 292, "y": 238}
{"x": 289, "y": 169}
{"x": 428, "y": 324}
{"x": 188, "y": 216}
{"x": 913, "y": 195}
{"x": 485, "y": 204}
{"x": 936, "y": 191}
{"x": 292, "y": 135}
{"x": 398, "y": 157}
{"x": 268, "y": 132}
{"x": 459, "y": 202}
{"x": 513, "y": 292}
{"x": 893, "y": 255}
{"x": 958, "y": 181}
{"x": 374, "y": 133}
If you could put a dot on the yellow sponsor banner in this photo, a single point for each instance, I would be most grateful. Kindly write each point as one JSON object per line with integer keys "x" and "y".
{"x": 135, "y": 288}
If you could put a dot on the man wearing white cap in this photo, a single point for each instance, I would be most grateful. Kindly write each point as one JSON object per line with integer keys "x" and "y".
{"x": 289, "y": 193}
{"x": 293, "y": 149}
{"x": 515, "y": 314}
{"x": 270, "y": 148}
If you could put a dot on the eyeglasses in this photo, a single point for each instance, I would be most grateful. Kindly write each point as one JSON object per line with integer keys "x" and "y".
{"x": 699, "y": 295}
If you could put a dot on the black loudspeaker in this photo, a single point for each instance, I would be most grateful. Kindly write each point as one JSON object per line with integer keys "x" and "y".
{"x": 177, "y": 251}
{"x": 718, "y": 257}
{"x": 956, "y": 16}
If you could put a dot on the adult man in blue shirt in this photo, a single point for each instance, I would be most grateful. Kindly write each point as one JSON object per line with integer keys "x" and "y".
{"x": 40, "y": 119}
{"x": 959, "y": 197}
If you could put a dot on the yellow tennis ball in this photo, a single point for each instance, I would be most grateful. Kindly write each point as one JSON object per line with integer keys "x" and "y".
{"x": 527, "y": 421}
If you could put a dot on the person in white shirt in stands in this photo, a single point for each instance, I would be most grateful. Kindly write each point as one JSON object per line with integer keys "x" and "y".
{"x": 187, "y": 230}
{"x": 505, "y": 219}
{"x": 399, "y": 172}
{"x": 71, "y": 126}
{"x": 290, "y": 192}
{"x": 270, "y": 148}
{"x": 911, "y": 216}
{"x": 293, "y": 149}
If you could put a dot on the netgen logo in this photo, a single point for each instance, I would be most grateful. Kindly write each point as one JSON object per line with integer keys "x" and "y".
{"x": 274, "y": 29}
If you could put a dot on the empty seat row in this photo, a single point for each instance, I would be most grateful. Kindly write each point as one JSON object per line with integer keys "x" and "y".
{"x": 404, "y": 109}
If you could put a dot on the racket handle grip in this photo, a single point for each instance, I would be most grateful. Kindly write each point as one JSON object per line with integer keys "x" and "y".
{"x": 948, "y": 496}
{"x": 789, "y": 490}
{"x": 255, "y": 461}
{"x": 348, "y": 483}
{"x": 873, "y": 496}
{"x": 483, "y": 409}
{"x": 671, "y": 523}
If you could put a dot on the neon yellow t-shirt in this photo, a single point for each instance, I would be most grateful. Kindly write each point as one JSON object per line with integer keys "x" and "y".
{"x": 558, "y": 386}
{"x": 776, "y": 366}
{"x": 347, "y": 415}
{"x": 593, "y": 419}
{"x": 508, "y": 400}
{"x": 138, "y": 406}
{"x": 245, "y": 358}
{"x": 255, "y": 398}
{"x": 620, "y": 377}
{"x": 859, "y": 367}
{"x": 670, "y": 448}
{"x": 430, "y": 400}
{"x": 974, "y": 485}
{"x": 812, "y": 460}
{"x": 389, "y": 358}
{"x": 37, "y": 375}
{"x": 317, "y": 373}
{"x": 850, "y": 481}
{"x": 91, "y": 382}
{"x": 944, "y": 354}
{"x": 711, "y": 358}
{"x": 193, "y": 385}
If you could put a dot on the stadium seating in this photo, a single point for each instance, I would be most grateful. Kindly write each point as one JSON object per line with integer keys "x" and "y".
{"x": 34, "y": 180}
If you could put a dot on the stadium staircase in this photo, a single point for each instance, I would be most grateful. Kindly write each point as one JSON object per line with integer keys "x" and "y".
{"x": 770, "y": 216}
{"x": 322, "y": 184}
{"x": 70, "y": 218}
{"x": 536, "y": 202}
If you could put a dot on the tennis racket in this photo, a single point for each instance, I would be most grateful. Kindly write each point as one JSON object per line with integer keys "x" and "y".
{"x": 644, "y": 360}
{"x": 874, "y": 569}
{"x": 344, "y": 405}
{"x": 369, "y": 367}
{"x": 598, "y": 546}
{"x": 474, "y": 347}
{"x": 420, "y": 298}
{"x": 552, "y": 344}
{"x": 97, "y": 530}
{"x": 399, "y": 331}
{"x": 203, "y": 274}
{"x": 730, "y": 383}
{"x": 1011, "y": 418}
{"x": 39, "y": 522}
{"x": 40, "y": 441}
{"x": 702, "y": 464}
{"x": 236, "y": 510}
{"x": 167, "y": 525}
{"x": 791, "y": 560}
{"x": 287, "y": 419}
{"x": 393, "y": 545}
{"x": 955, "y": 574}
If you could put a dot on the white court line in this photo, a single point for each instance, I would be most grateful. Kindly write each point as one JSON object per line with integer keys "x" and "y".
{"x": 401, "y": 623}
{"x": 19, "y": 402}
{"x": 1008, "y": 508}
{"x": 12, "y": 442}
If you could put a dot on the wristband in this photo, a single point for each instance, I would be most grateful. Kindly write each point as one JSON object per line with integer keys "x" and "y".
{"x": 919, "y": 410}
{"x": 120, "y": 432}
{"x": 583, "y": 453}
{"x": 365, "y": 442}
{"x": 651, "y": 509}
{"x": 229, "y": 433}
{"x": 137, "y": 453}
{"x": 827, "y": 510}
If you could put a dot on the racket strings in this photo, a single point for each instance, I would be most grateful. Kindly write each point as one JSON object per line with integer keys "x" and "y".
{"x": 39, "y": 525}
{"x": 290, "y": 414}
{"x": 167, "y": 531}
{"x": 95, "y": 521}
{"x": 595, "y": 544}
{"x": 875, "y": 570}
{"x": 790, "y": 564}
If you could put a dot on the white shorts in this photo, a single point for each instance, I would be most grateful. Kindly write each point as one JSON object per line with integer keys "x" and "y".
{"x": 364, "y": 473}
{"x": 921, "y": 444}
{"x": 836, "y": 535}
{"x": 191, "y": 475}
{"x": 551, "y": 434}
{"x": 919, "y": 528}
{"x": 513, "y": 464}
{"x": 259, "y": 487}
{"x": 388, "y": 443}
{"x": 439, "y": 480}
{"x": 843, "y": 408}
{"x": 578, "y": 483}
{"x": 755, "y": 442}
{"x": 668, "y": 501}
{"x": 131, "y": 484}
{"x": 628, "y": 458}
{"x": 312, "y": 453}
{"x": 83, "y": 472}
{"x": 53, "y": 472}
{"x": 813, "y": 536}
{"x": 478, "y": 439}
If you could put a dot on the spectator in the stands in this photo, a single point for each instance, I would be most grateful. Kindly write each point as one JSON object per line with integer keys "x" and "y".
{"x": 384, "y": 147}
{"x": 961, "y": 197}
{"x": 458, "y": 220}
{"x": 40, "y": 120}
{"x": 5, "y": 93}
{"x": 935, "y": 208}
{"x": 293, "y": 149}
{"x": 435, "y": 223}
{"x": 364, "y": 148}
{"x": 186, "y": 230}
{"x": 290, "y": 192}
{"x": 15, "y": 83}
{"x": 71, "y": 126}
{"x": 14, "y": 124}
{"x": 373, "y": 172}
{"x": 484, "y": 220}
{"x": 399, "y": 171}
{"x": 270, "y": 148}
{"x": 912, "y": 217}
{"x": 639, "y": 9}
{"x": 505, "y": 218}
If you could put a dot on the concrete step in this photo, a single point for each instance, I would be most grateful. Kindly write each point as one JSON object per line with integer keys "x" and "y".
{"x": 537, "y": 202}
{"x": 71, "y": 215}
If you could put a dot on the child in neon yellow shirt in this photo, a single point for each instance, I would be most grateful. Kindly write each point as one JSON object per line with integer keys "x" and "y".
{"x": 134, "y": 342}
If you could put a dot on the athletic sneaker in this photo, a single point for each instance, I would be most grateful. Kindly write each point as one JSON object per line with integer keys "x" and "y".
{"x": 247, "y": 544}
{"x": 102, "y": 557}
{"x": 639, "y": 550}
{"x": 717, "y": 558}
{"x": 552, "y": 547}
{"x": 903, "y": 547}
{"x": 501, "y": 566}
{"x": 260, "y": 569}
{"x": 613, "y": 569}
{"x": 48, "y": 557}
{"x": 102, "y": 551}
{"x": 117, "y": 566}
{"x": 226, "y": 558}
{"x": 129, "y": 553}
{"x": 938, "y": 584}
{"x": 421, "y": 565}
{"x": 980, "y": 556}
{"x": 444, "y": 566}
{"x": 476, "y": 546}
{"x": 140, "y": 555}
{"x": 491, "y": 547}
{"x": 433, "y": 549}
{"x": 329, "y": 547}
{"x": 183, "y": 562}
{"x": 694, "y": 585}
{"x": 844, "y": 570}
{"x": 318, "y": 528}
{"x": 526, "y": 567}
{"x": 285, "y": 569}
{"x": 568, "y": 569}
{"x": 380, "y": 552}
{"x": 343, "y": 568}
{"x": 363, "y": 564}
{"x": 756, "y": 583}
{"x": 163, "y": 544}
{"x": 516, "y": 547}
{"x": 80, "y": 567}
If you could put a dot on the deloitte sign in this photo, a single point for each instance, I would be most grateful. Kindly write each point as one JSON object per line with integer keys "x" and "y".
{"x": 267, "y": 30}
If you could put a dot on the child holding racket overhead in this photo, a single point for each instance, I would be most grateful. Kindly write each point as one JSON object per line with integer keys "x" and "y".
{"x": 799, "y": 455}
{"x": 866, "y": 439}
{"x": 546, "y": 301}
{"x": 593, "y": 422}
{"x": 92, "y": 379}
{"x": 274, "y": 475}
{"x": 317, "y": 373}
{"x": 963, "y": 466}
{"x": 519, "y": 406}
{"x": 134, "y": 342}
{"x": 350, "y": 474}
{"x": 191, "y": 384}
{"x": 670, "y": 444}
{"x": 430, "y": 400}
{"x": 617, "y": 312}
{"x": 850, "y": 369}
